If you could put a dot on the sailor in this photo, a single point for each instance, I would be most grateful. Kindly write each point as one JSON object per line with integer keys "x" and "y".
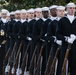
{"x": 67, "y": 33}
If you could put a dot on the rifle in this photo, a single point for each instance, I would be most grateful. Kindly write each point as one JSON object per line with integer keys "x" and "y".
{"x": 5, "y": 61}
{"x": 11, "y": 59}
{"x": 39, "y": 60}
{"x": 54, "y": 62}
{"x": 48, "y": 64}
{"x": 64, "y": 67}
{"x": 17, "y": 58}
{"x": 24, "y": 60}
{"x": 32, "y": 61}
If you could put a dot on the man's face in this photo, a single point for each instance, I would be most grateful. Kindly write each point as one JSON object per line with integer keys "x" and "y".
{"x": 31, "y": 15}
{"x": 53, "y": 12}
{"x": 3, "y": 15}
{"x": 23, "y": 15}
{"x": 38, "y": 14}
{"x": 45, "y": 14}
{"x": 17, "y": 15}
{"x": 60, "y": 13}
{"x": 71, "y": 10}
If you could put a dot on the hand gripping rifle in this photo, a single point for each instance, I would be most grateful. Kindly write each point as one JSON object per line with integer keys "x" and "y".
{"x": 11, "y": 59}
{"x": 24, "y": 60}
{"x": 48, "y": 64}
{"x": 65, "y": 63}
{"x": 39, "y": 60}
{"x": 17, "y": 58}
{"x": 32, "y": 62}
{"x": 52, "y": 71}
{"x": 5, "y": 61}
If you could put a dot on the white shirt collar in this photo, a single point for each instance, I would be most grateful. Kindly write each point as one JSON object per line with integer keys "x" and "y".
{"x": 53, "y": 18}
{"x": 17, "y": 20}
{"x": 44, "y": 19}
{"x": 29, "y": 20}
{"x": 36, "y": 18}
{"x": 4, "y": 20}
{"x": 58, "y": 18}
{"x": 23, "y": 20}
{"x": 71, "y": 18}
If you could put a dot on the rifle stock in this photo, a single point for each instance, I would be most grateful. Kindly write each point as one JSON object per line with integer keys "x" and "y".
{"x": 48, "y": 64}
{"x": 65, "y": 60}
{"x": 11, "y": 59}
{"x": 17, "y": 58}
{"x": 24, "y": 60}
{"x": 5, "y": 61}
{"x": 54, "y": 62}
{"x": 32, "y": 61}
{"x": 38, "y": 62}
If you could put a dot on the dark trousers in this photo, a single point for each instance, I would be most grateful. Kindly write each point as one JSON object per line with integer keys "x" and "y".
{"x": 48, "y": 48}
{"x": 7, "y": 45}
{"x": 12, "y": 42}
{"x": 23, "y": 50}
{"x": 72, "y": 59}
{"x": 2, "y": 55}
{"x": 61, "y": 58}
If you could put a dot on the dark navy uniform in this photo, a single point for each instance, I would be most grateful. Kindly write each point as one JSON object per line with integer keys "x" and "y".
{"x": 3, "y": 29}
{"x": 66, "y": 28}
{"x": 10, "y": 35}
{"x": 16, "y": 35}
{"x": 23, "y": 35}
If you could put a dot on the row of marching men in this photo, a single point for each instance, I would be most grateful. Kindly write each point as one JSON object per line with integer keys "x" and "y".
{"x": 47, "y": 27}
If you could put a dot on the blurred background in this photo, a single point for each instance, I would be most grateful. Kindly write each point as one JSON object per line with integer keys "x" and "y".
{"x": 20, "y": 4}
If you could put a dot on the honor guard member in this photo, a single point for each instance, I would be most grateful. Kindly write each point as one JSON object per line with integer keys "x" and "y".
{"x": 12, "y": 15}
{"x": 53, "y": 10}
{"x": 45, "y": 12}
{"x": 38, "y": 14}
{"x": 16, "y": 29}
{"x": 3, "y": 29}
{"x": 31, "y": 20}
{"x": 8, "y": 39}
{"x": 67, "y": 33}
{"x": 23, "y": 35}
{"x": 15, "y": 33}
{"x": 37, "y": 29}
{"x": 52, "y": 29}
{"x": 53, "y": 16}
{"x": 11, "y": 40}
{"x": 10, "y": 31}
{"x": 29, "y": 34}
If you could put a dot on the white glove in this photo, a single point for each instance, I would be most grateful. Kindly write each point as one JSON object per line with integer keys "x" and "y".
{"x": 59, "y": 42}
{"x": 66, "y": 38}
{"x": 42, "y": 40}
{"x": 46, "y": 34}
{"x": 70, "y": 40}
{"x": 28, "y": 38}
{"x": 9, "y": 36}
{"x": 54, "y": 38}
{"x": 18, "y": 36}
{"x": 73, "y": 36}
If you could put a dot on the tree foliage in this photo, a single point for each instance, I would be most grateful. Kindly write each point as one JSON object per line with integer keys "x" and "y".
{"x": 12, "y": 5}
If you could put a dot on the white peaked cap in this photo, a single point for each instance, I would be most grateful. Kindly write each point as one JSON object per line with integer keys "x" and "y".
{"x": 60, "y": 8}
{"x": 17, "y": 11}
{"x": 30, "y": 10}
{"x": 38, "y": 9}
{"x": 70, "y": 5}
{"x": 12, "y": 13}
{"x": 4, "y": 11}
{"x": 45, "y": 9}
{"x": 8, "y": 14}
{"x": 23, "y": 11}
{"x": 53, "y": 6}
